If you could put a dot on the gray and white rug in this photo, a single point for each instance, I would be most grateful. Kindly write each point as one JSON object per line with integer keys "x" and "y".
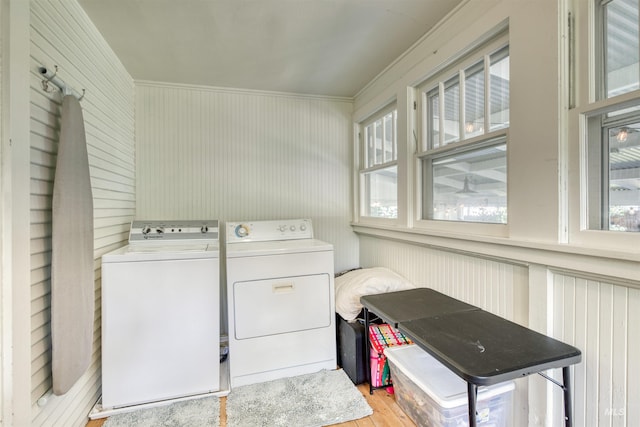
{"x": 201, "y": 412}
{"x": 311, "y": 400}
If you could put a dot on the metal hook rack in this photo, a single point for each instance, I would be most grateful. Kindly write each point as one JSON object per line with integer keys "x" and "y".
{"x": 52, "y": 77}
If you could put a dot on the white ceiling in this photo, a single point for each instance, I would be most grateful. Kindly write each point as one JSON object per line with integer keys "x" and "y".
{"x": 322, "y": 47}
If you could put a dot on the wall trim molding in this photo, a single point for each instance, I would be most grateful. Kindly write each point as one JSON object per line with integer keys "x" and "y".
{"x": 614, "y": 267}
{"x": 238, "y": 91}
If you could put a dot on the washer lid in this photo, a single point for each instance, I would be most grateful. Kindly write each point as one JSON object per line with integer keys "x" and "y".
{"x": 158, "y": 252}
{"x": 277, "y": 247}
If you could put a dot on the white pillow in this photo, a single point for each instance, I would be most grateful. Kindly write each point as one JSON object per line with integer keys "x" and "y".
{"x": 367, "y": 281}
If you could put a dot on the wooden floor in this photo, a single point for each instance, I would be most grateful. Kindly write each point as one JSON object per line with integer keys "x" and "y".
{"x": 386, "y": 412}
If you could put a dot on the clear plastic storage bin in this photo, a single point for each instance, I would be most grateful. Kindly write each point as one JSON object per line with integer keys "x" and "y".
{"x": 431, "y": 395}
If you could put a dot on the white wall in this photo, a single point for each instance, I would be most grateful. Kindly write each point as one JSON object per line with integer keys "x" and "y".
{"x": 237, "y": 155}
{"x": 584, "y": 295}
{"x": 52, "y": 33}
{"x": 245, "y": 155}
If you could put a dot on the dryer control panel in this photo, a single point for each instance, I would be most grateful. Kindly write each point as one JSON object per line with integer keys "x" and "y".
{"x": 263, "y": 231}
{"x": 172, "y": 230}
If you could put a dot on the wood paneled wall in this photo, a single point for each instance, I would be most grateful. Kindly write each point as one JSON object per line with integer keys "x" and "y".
{"x": 243, "y": 155}
{"x": 62, "y": 34}
{"x": 601, "y": 317}
{"x": 603, "y": 320}
{"x": 237, "y": 155}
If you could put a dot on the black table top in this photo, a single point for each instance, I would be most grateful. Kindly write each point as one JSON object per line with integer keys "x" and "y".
{"x": 402, "y": 306}
{"x": 486, "y": 349}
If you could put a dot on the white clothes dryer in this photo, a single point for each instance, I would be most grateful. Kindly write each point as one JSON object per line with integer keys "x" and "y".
{"x": 281, "y": 303}
{"x": 160, "y": 314}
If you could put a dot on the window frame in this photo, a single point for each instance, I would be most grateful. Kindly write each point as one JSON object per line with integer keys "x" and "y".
{"x": 591, "y": 101}
{"x": 427, "y": 150}
{"x": 364, "y": 168}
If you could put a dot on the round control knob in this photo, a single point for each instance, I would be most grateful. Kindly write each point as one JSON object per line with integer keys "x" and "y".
{"x": 146, "y": 229}
{"x": 204, "y": 229}
{"x": 303, "y": 227}
{"x": 282, "y": 228}
{"x": 242, "y": 231}
{"x": 160, "y": 230}
{"x": 292, "y": 228}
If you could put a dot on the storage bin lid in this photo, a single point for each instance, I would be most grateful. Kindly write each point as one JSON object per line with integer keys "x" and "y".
{"x": 443, "y": 386}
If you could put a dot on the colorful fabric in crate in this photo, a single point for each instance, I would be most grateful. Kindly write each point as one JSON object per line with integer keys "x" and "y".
{"x": 381, "y": 337}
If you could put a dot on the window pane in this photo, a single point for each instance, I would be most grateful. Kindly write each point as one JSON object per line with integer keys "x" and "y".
{"x": 623, "y": 178}
{"x": 452, "y": 111}
{"x": 474, "y": 101}
{"x": 388, "y": 138}
{"x": 499, "y": 89}
{"x": 469, "y": 186}
{"x": 378, "y": 141}
{"x": 434, "y": 119}
{"x": 370, "y": 144}
{"x": 381, "y": 194}
{"x": 621, "y": 46}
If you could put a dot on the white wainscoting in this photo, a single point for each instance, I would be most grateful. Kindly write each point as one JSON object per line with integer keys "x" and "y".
{"x": 603, "y": 320}
{"x": 496, "y": 286}
{"x": 61, "y": 34}
{"x": 601, "y": 317}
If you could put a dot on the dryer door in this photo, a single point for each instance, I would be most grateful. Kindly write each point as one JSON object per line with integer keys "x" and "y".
{"x": 281, "y": 305}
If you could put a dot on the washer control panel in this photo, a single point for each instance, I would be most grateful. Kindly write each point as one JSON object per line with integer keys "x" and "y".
{"x": 262, "y": 231}
{"x": 173, "y": 230}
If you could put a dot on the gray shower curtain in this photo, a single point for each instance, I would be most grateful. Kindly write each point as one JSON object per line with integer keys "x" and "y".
{"x": 72, "y": 260}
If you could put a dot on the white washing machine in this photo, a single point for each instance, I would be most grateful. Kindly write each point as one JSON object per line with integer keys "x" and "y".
{"x": 280, "y": 297}
{"x": 160, "y": 314}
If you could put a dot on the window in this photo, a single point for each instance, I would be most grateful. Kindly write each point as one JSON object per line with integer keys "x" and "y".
{"x": 379, "y": 174}
{"x": 613, "y": 185}
{"x": 464, "y": 152}
{"x": 620, "y": 48}
{"x": 613, "y": 132}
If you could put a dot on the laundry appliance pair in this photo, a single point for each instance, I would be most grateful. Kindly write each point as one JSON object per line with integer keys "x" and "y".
{"x": 161, "y": 308}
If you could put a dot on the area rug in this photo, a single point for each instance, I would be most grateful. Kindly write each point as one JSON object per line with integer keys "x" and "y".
{"x": 201, "y": 412}
{"x": 310, "y": 400}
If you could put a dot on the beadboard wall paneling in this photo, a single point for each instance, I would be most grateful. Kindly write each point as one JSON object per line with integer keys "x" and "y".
{"x": 603, "y": 320}
{"x": 245, "y": 155}
{"x": 2, "y": 222}
{"x": 61, "y": 34}
{"x": 499, "y": 287}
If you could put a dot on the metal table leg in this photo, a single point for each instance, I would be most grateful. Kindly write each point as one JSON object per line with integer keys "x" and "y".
{"x": 472, "y": 392}
{"x": 566, "y": 379}
{"x": 367, "y": 350}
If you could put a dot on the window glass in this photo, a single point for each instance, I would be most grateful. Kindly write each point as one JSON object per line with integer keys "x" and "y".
{"x": 433, "y": 112}
{"x": 370, "y": 146}
{"x": 378, "y": 142}
{"x": 614, "y": 178}
{"x": 389, "y": 138}
{"x": 499, "y": 89}
{"x": 451, "y": 111}
{"x": 381, "y": 193}
{"x": 468, "y": 186}
{"x": 613, "y": 136}
{"x": 379, "y": 176}
{"x": 474, "y": 92}
{"x": 467, "y": 181}
{"x": 621, "y": 46}
{"x": 624, "y": 178}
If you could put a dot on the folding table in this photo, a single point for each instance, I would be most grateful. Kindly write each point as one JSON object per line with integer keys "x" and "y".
{"x": 480, "y": 347}
{"x": 401, "y": 306}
